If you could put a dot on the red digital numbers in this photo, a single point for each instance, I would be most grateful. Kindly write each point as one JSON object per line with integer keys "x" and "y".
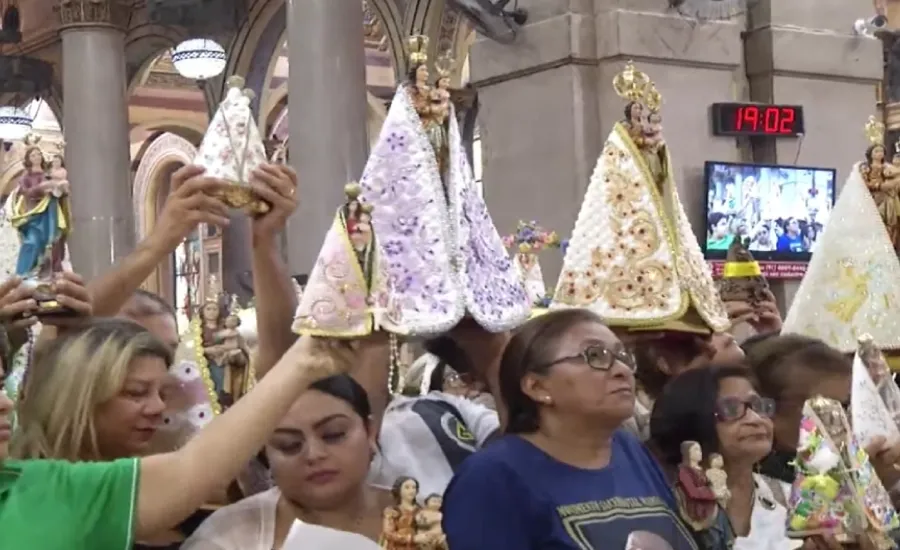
{"x": 765, "y": 120}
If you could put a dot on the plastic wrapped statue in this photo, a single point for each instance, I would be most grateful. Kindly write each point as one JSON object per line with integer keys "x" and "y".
{"x": 41, "y": 215}
{"x": 835, "y": 491}
{"x": 875, "y": 397}
{"x": 444, "y": 256}
{"x": 233, "y": 148}
{"x": 633, "y": 257}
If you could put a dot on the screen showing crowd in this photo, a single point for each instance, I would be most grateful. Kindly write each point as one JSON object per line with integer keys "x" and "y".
{"x": 780, "y": 210}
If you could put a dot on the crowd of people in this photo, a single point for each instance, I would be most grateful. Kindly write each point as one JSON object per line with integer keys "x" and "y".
{"x": 625, "y": 417}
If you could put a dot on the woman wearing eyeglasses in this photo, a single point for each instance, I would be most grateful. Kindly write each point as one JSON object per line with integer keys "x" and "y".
{"x": 719, "y": 408}
{"x": 564, "y": 475}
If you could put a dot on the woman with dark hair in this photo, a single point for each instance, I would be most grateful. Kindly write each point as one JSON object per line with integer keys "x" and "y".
{"x": 564, "y": 476}
{"x": 719, "y": 408}
{"x": 790, "y": 369}
{"x": 319, "y": 455}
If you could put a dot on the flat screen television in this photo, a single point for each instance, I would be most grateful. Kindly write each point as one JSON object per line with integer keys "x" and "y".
{"x": 781, "y": 210}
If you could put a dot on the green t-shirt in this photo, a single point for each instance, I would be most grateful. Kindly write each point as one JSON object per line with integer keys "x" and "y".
{"x": 55, "y": 505}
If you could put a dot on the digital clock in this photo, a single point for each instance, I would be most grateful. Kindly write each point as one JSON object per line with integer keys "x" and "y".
{"x": 754, "y": 119}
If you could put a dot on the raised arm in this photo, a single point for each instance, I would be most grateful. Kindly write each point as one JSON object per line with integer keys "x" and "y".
{"x": 175, "y": 484}
{"x": 273, "y": 289}
{"x": 189, "y": 203}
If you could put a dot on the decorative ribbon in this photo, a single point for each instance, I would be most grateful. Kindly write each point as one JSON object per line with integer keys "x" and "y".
{"x": 741, "y": 269}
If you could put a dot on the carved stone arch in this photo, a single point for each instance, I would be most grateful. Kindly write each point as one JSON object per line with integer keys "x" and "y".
{"x": 166, "y": 153}
{"x": 375, "y": 116}
{"x": 143, "y": 44}
{"x": 263, "y": 32}
{"x": 165, "y": 150}
{"x": 192, "y": 131}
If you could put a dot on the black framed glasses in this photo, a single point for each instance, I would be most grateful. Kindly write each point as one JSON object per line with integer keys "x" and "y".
{"x": 599, "y": 357}
{"x": 729, "y": 409}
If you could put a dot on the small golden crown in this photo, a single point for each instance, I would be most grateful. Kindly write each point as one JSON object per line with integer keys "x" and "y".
{"x": 367, "y": 207}
{"x": 652, "y": 97}
{"x": 865, "y": 339}
{"x": 213, "y": 290}
{"x": 352, "y": 190}
{"x": 631, "y": 83}
{"x": 418, "y": 49}
{"x": 444, "y": 65}
{"x": 875, "y": 131}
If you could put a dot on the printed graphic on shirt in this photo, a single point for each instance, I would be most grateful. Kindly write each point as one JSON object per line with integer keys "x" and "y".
{"x": 442, "y": 419}
{"x": 626, "y": 523}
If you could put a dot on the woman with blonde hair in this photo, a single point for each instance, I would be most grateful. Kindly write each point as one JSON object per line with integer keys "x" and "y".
{"x": 96, "y": 396}
{"x": 77, "y": 389}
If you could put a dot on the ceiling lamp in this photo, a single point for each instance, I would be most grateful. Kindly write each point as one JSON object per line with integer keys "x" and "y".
{"x": 15, "y": 123}
{"x": 199, "y": 59}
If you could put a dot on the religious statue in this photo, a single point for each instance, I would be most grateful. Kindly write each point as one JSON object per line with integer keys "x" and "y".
{"x": 529, "y": 240}
{"x": 880, "y": 373}
{"x": 697, "y": 503}
{"x": 718, "y": 479}
{"x": 428, "y": 523}
{"x": 399, "y": 530}
{"x": 883, "y": 180}
{"x": 357, "y": 218}
{"x": 41, "y": 215}
{"x": 233, "y": 148}
{"x": 633, "y": 257}
{"x": 211, "y": 317}
{"x": 232, "y": 354}
{"x": 447, "y": 259}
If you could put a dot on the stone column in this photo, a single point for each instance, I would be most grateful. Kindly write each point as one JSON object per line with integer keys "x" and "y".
{"x": 327, "y": 109}
{"x": 95, "y": 126}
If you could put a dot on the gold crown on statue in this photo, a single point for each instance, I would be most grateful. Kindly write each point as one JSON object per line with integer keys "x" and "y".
{"x": 631, "y": 83}
{"x": 418, "y": 49}
{"x": 235, "y": 81}
{"x": 444, "y": 65}
{"x": 352, "y": 190}
{"x": 875, "y": 131}
{"x": 652, "y": 97}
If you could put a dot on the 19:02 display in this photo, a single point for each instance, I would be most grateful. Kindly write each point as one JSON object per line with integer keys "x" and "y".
{"x": 769, "y": 120}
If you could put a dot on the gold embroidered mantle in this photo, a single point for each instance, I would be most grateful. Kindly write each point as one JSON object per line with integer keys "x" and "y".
{"x": 633, "y": 257}
{"x": 852, "y": 284}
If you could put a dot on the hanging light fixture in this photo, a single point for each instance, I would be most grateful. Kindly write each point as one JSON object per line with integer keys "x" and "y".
{"x": 199, "y": 59}
{"x": 15, "y": 123}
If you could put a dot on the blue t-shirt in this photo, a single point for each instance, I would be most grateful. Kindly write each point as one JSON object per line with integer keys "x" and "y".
{"x": 513, "y": 495}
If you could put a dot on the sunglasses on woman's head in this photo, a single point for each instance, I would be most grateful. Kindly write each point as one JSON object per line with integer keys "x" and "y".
{"x": 599, "y": 358}
{"x": 729, "y": 409}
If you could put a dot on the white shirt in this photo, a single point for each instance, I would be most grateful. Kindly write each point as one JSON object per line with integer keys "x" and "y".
{"x": 768, "y": 520}
{"x": 250, "y": 525}
{"x": 422, "y": 438}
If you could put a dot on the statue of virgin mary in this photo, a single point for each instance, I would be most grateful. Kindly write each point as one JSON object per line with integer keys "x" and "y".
{"x": 445, "y": 258}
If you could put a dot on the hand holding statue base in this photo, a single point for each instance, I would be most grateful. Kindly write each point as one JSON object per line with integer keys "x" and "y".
{"x": 42, "y": 292}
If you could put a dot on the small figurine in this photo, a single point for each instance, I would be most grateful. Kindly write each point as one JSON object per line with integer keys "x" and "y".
{"x": 399, "y": 521}
{"x": 428, "y": 522}
{"x": 697, "y": 503}
{"x": 41, "y": 215}
{"x": 718, "y": 479}
{"x": 233, "y": 148}
{"x": 653, "y": 146}
{"x": 232, "y": 354}
{"x": 742, "y": 279}
{"x": 528, "y": 240}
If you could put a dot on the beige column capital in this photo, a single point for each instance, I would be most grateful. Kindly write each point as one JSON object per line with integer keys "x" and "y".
{"x": 93, "y": 13}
